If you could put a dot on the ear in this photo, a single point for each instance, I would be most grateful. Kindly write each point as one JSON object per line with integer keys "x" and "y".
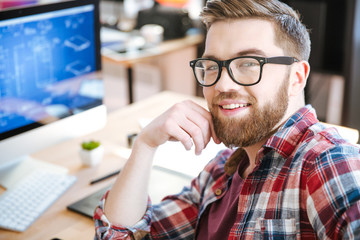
{"x": 298, "y": 77}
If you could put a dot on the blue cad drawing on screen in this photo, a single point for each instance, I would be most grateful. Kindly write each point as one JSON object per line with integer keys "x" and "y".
{"x": 34, "y": 58}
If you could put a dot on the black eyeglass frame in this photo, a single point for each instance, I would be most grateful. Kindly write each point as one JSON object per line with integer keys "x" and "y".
{"x": 284, "y": 60}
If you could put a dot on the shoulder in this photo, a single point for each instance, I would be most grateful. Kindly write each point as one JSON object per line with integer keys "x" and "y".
{"x": 331, "y": 171}
{"x": 324, "y": 148}
{"x": 319, "y": 140}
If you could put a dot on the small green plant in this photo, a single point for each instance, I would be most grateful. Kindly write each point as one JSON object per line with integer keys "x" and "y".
{"x": 90, "y": 145}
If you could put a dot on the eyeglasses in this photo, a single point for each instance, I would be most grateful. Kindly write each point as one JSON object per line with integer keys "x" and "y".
{"x": 245, "y": 71}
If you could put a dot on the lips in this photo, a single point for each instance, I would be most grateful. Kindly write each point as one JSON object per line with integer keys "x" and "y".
{"x": 234, "y": 106}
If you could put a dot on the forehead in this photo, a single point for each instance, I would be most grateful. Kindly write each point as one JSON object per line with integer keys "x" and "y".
{"x": 227, "y": 39}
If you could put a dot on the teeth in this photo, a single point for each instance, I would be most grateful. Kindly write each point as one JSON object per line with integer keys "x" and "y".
{"x": 234, "y": 105}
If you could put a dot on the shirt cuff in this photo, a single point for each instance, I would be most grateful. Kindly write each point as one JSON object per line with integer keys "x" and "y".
{"x": 104, "y": 229}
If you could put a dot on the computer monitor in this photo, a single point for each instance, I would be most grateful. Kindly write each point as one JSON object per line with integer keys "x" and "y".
{"x": 50, "y": 79}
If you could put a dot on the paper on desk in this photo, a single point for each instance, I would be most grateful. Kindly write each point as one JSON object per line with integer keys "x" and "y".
{"x": 173, "y": 156}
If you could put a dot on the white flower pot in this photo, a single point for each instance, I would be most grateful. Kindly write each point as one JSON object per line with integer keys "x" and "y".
{"x": 92, "y": 157}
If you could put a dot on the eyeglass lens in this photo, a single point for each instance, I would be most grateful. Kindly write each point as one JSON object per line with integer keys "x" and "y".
{"x": 242, "y": 70}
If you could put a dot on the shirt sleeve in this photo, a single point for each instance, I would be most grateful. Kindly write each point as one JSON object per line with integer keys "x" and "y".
{"x": 333, "y": 202}
{"x": 175, "y": 217}
{"x": 104, "y": 229}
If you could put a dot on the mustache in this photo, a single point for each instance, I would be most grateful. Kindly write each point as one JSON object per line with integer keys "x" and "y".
{"x": 233, "y": 95}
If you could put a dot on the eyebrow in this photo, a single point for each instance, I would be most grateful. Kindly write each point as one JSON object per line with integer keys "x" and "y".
{"x": 247, "y": 52}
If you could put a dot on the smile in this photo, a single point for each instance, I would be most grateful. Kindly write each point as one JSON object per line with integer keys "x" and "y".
{"x": 234, "y": 106}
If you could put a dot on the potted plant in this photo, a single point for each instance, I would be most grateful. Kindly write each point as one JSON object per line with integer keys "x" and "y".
{"x": 91, "y": 152}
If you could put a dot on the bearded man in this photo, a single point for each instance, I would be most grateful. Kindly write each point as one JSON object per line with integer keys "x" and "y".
{"x": 283, "y": 176}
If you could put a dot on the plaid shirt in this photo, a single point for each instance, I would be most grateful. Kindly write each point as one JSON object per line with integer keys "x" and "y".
{"x": 306, "y": 185}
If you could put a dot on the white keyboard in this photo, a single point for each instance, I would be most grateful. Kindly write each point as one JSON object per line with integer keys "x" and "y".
{"x": 22, "y": 205}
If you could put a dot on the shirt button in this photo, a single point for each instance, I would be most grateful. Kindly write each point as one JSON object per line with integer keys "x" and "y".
{"x": 218, "y": 192}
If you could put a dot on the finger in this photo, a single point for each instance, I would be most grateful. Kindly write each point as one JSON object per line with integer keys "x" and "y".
{"x": 182, "y": 116}
{"x": 177, "y": 133}
{"x": 195, "y": 133}
{"x": 199, "y": 130}
{"x": 184, "y": 122}
{"x": 207, "y": 115}
{"x": 186, "y": 131}
{"x": 194, "y": 120}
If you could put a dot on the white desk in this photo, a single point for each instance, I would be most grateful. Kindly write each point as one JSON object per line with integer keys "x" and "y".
{"x": 57, "y": 221}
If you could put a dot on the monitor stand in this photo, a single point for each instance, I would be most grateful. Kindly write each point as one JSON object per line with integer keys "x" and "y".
{"x": 10, "y": 175}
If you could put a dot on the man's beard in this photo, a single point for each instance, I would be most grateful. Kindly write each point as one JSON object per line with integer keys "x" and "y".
{"x": 257, "y": 126}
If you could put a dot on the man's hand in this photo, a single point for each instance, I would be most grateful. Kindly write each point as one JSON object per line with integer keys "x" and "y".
{"x": 186, "y": 122}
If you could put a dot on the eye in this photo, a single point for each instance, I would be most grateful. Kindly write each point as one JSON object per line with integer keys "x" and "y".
{"x": 249, "y": 64}
{"x": 212, "y": 67}
{"x": 243, "y": 63}
{"x": 209, "y": 66}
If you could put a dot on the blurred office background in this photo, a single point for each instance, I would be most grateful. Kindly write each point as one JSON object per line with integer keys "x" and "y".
{"x": 334, "y": 84}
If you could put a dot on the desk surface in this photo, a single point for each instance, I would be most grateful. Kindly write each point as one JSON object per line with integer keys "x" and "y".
{"x": 57, "y": 221}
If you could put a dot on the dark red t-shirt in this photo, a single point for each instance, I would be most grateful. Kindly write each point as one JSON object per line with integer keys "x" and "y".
{"x": 220, "y": 216}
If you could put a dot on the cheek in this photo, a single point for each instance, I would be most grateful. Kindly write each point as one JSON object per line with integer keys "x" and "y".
{"x": 264, "y": 94}
{"x": 270, "y": 84}
{"x": 208, "y": 93}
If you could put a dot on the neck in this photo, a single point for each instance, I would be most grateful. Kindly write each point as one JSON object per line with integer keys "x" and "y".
{"x": 251, "y": 151}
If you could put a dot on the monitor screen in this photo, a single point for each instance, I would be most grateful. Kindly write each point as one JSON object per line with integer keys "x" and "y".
{"x": 49, "y": 66}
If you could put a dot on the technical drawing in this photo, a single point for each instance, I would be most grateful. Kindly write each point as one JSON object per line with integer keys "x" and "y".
{"x": 43, "y": 62}
{"x": 36, "y": 53}
{"x": 29, "y": 31}
{"x": 3, "y": 58}
{"x": 44, "y": 26}
{"x": 5, "y": 68}
{"x": 19, "y": 74}
{"x": 56, "y": 40}
{"x": 78, "y": 43}
{"x": 15, "y": 29}
{"x": 74, "y": 22}
{"x": 2, "y": 119}
{"x": 78, "y": 68}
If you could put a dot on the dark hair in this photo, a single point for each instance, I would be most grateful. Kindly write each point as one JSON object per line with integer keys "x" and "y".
{"x": 291, "y": 34}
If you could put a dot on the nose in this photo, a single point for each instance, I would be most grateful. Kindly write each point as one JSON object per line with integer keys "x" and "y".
{"x": 225, "y": 82}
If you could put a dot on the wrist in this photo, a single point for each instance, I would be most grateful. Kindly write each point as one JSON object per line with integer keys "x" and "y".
{"x": 140, "y": 144}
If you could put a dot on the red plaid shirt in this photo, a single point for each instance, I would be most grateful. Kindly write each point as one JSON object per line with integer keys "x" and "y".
{"x": 306, "y": 185}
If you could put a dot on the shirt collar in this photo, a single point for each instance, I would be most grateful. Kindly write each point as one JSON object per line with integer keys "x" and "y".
{"x": 292, "y": 131}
